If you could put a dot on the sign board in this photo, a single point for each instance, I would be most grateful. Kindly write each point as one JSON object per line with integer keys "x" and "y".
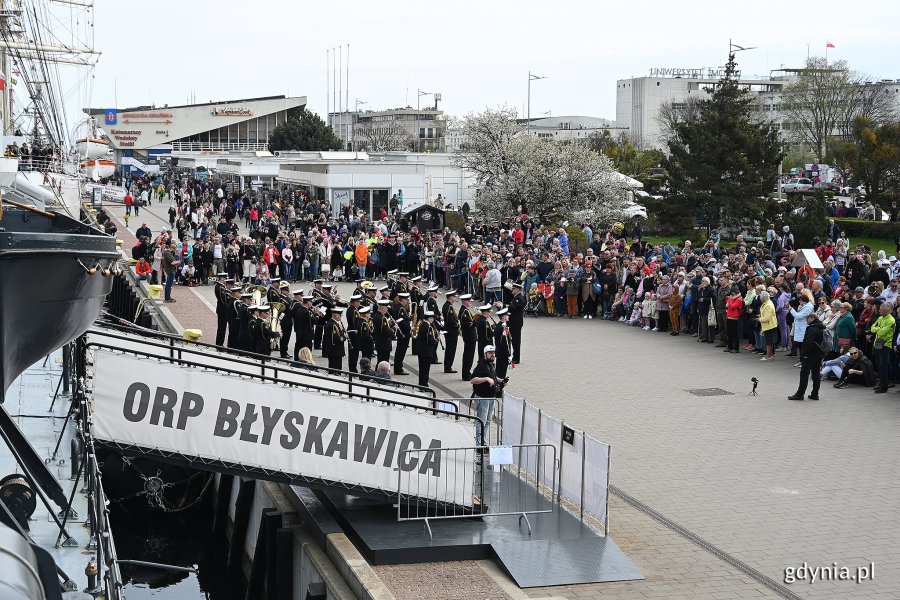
{"x": 97, "y": 197}
{"x": 209, "y": 415}
{"x": 111, "y": 116}
{"x": 341, "y": 198}
{"x": 568, "y": 435}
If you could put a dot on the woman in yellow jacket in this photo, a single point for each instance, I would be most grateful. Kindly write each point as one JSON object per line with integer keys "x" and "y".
{"x": 768, "y": 324}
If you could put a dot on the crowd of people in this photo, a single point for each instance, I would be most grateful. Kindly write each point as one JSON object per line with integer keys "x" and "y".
{"x": 741, "y": 296}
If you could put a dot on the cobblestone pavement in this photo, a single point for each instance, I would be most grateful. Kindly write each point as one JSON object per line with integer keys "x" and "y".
{"x": 773, "y": 483}
{"x": 463, "y": 580}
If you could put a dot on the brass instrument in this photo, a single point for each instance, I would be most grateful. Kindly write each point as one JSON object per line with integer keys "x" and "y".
{"x": 436, "y": 335}
{"x": 276, "y": 314}
{"x": 392, "y": 325}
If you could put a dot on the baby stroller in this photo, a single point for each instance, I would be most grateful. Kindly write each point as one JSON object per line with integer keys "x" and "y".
{"x": 535, "y": 304}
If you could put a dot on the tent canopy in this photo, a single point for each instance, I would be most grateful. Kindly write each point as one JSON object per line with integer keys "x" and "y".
{"x": 809, "y": 257}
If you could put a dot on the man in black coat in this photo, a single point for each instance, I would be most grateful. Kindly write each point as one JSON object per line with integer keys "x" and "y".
{"x": 220, "y": 290}
{"x": 333, "y": 338}
{"x": 811, "y": 355}
{"x": 304, "y": 324}
{"x": 469, "y": 335}
{"x": 516, "y": 309}
{"x": 451, "y": 331}
{"x": 384, "y": 333}
{"x": 427, "y": 337}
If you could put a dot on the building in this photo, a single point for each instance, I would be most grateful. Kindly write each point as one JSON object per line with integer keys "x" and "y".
{"x": 638, "y": 100}
{"x": 570, "y": 128}
{"x": 368, "y": 181}
{"x": 143, "y": 136}
{"x": 420, "y": 130}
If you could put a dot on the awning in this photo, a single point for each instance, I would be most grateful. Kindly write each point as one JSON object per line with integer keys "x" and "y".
{"x": 809, "y": 257}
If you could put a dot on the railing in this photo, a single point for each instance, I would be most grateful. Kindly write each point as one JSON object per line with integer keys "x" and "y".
{"x": 217, "y": 357}
{"x": 467, "y": 406}
{"x": 486, "y": 482}
{"x": 219, "y": 146}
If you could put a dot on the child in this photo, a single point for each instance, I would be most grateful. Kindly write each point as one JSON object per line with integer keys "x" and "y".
{"x": 649, "y": 307}
{"x": 548, "y": 297}
{"x": 636, "y": 316}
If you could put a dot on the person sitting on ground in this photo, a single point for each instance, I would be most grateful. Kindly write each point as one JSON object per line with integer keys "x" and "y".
{"x": 834, "y": 368}
{"x": 858, "y": 369}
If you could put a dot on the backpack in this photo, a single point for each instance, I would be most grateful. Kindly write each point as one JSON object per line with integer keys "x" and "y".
{"x": 827, "y": 342}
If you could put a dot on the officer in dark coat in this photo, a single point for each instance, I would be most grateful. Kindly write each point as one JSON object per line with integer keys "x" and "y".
{"x": 384, "y": 333}
{"x": 431, "y": 304}
{"x": 401, "y": 315}
{"x": 485, "y": 329}
{"x": 353, "y": 345}
{"x": 517, "y": 320}
{"x": 467, "y": 318}
{"x": 244, "y": 316}
{"x": 253, "y": 326}
{"x": 334, "y": 337}
{"x": 502, "y": 343}
{"x": 265, "y": 334}
{"x": 304, "y": 325}
{"x": 427, "y": 337}
{"x": 220, "y": 290}
{"x": 451, "y": 331}
{"x": 286, "y": 318}
{"x": 365, "y": 330}
{"x": 234, "y": 318}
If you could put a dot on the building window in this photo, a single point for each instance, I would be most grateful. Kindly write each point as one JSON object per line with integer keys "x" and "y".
{"x": 421, "y": 133}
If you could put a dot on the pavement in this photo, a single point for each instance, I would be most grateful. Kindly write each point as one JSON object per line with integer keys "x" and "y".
{"x": 714, "y": 497}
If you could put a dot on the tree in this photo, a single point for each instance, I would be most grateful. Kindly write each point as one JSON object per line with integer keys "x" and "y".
{"x": 872, "y": 154}
{"x": 675, "y": 112}
{"x": 619, "y": 149}
{"x": 516, "y": 173}
{"x": 825, "y": 99}
{"x": 383, "y": 137}
{"x": 723, "y": 163}
{"x": 306, "y": 132}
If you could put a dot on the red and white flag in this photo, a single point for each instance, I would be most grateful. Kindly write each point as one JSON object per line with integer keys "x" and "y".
{"x": 829, "y": 45}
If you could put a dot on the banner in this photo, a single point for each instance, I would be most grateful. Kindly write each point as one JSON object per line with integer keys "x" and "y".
{"x": 201, "y": 413}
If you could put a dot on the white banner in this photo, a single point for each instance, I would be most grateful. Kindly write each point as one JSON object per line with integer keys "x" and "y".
{"x": 200, "y": 413}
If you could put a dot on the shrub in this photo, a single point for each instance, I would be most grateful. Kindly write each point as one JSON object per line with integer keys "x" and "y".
{"x": 577, "y": 241}
{"x": 454, "y": 220}
{"x": 872, "y": 229}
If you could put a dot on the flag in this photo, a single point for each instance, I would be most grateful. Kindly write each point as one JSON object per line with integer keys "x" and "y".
{"x": 829, "y": 45}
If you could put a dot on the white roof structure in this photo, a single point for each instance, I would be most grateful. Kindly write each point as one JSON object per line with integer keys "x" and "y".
{"x": 809, "y": 257}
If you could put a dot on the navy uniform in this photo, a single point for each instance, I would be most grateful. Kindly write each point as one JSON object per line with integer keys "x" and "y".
{"x": 400, "y": 286}
{"x": 365, "y": 330}
{"x": 286, "y": 318}
{"x": 431, "y": 305}
{"x": 416, "y": 295}
{"x": 221, "y": 290}
{"x": 400, "y": 314}
{"x": 322, "y": 302}
{"x": 234, "y": 319}
{"x": 384, "y": 333}
{"x": 333, "y": 338}
{"x": 427, "y": 336}
{"x": 467, "y": 318}
{"x": 502, "y": 343}
{"x": 353, "y": 343}
{"x": 265, "y": 334}
{"x": 304, "y": 325}
{"x": 253, "y": 327}
{"x": 451, "y": 331}
{"x": 516, "y": 308}
{"x": 485, "y": 329}
{"x": 244, "y": 316}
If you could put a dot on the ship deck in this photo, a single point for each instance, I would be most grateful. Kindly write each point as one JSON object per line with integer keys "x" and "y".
{"x": 28, "y": 402}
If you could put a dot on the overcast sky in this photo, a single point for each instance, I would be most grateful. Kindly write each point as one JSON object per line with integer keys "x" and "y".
{"x": 475, "y": 53}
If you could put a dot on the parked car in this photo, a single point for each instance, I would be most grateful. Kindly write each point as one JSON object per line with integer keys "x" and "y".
{"x": 853, "y": 191}
{"x": 797, "y": 184}
{"x": 828, "y": 186}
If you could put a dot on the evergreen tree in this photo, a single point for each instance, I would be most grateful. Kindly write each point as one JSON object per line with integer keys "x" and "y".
{"x": 724, "y": 162}
{"x": 306, "y": 132}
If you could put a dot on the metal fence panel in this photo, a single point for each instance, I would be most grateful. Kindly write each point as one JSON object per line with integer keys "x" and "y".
{"x": 526, "y": 457}
{"x": 596, "y": 478}
{"x": 571, "y": 467}
{"x": 551, "y": 433}
{"x": 513, "y": 409}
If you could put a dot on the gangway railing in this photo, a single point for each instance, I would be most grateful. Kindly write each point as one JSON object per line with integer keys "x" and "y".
{"x": 144, "y": 401}
{"x": 495, "y": 485}
{"x": 252, "y": 364}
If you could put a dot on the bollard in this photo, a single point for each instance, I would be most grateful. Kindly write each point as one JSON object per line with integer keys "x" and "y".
{"x": 74, "y": 457}
{"x": 91, "y": 571}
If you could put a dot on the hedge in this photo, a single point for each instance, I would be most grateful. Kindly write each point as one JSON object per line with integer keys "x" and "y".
{"x": 874, "y": 229}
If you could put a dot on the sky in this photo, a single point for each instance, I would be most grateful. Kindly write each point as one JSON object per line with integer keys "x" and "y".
{"x": 477, "y": 54}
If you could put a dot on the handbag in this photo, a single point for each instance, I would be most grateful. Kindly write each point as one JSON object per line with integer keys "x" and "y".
{"x": 711, "y": 318}
{"x": 878, "y": 344}
{"x": 508, "y": 284}
{"x": 844, "y": 342}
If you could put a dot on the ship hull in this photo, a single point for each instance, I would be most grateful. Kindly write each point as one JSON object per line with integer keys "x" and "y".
{"x": 47, "y": 298}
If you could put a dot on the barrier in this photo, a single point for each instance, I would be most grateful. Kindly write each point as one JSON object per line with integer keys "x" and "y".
{"x": 466, "y": 406}
{"x": 488, "y": 483}
{"x": 584, "y": 461}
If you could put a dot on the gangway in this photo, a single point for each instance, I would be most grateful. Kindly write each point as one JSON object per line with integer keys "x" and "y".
{"x": 226, "y": 413}
{"x": 248, "y": 363}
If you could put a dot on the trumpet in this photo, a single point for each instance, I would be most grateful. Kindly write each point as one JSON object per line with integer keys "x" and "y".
{"x": 392, "y": 324}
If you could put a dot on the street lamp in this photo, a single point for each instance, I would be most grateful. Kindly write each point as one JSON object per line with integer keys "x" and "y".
{"x": 549, "y": 114}
{"x": 531, "y": 77}
{"x": 418, "y": 117}
{"x": 358, "y": 102}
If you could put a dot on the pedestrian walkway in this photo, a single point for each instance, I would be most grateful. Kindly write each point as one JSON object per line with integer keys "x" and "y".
{"x": 771, "y": 484}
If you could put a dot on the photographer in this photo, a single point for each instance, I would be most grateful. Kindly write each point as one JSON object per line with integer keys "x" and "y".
{"x": 486, "y": 386}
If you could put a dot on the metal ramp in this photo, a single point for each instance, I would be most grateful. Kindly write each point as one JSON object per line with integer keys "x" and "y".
{"x": 212, "y": 410}
{"x": 542, "y": 563}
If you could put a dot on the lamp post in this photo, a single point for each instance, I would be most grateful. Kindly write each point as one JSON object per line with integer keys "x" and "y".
{"x": 531, "y": 77}
{"x": 418, "y": 117}
{"x": 358, "y": 102}
{"x": 549, "y": 114}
